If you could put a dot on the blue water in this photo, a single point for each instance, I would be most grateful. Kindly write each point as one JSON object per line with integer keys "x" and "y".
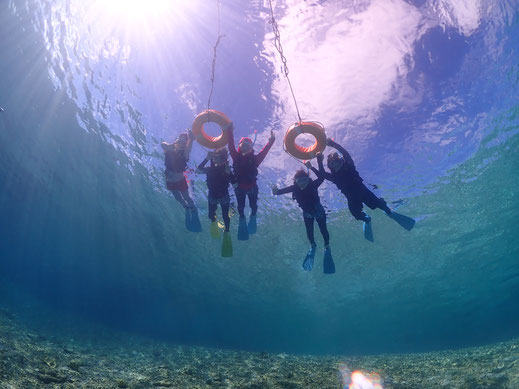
{"x": 423, "y": 94}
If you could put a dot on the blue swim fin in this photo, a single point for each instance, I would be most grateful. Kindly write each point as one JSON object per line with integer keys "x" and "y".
{"x": 192, "y": 221}
{"x": 252, "y": 226}
{"x": 328, "y": 265}
{"x": 226, "y": 245}
{"x": 243, "y": 230}
{"x": 405, "y": 221}
{"x": 368, "y": 231}
{"x": 308, "y": 263}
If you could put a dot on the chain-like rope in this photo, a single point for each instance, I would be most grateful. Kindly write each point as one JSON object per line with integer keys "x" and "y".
{"x": 277, "y": 44}
{"x": 213, "y": 67}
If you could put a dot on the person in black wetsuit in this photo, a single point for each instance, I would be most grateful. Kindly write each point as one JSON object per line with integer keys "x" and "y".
{"x": 345, "y": 176}
{"x": 305, "y": 192}
{"x": 245, "y": 165}
{"x": 219, "y": 176}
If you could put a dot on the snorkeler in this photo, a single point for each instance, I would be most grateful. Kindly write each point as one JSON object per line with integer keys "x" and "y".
{"x": 304, "y": 191}
{"x": 219, "y": 176}
{"x": 176, "y": 156}
{"x": 345, "y": 176}
{"x": 245, "y": 165}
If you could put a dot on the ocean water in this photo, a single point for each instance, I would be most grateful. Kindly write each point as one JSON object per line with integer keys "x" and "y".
{"x": 423, "y": 94}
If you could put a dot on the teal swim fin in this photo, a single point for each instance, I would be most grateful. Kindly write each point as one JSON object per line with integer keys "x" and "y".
{"x": 308, "y": 263}
{"x": 328, "y": 265}
{"x": 192, "y": 221}
{"x": 252, "y": 226}
{"x": 405, "y": 221}
{"x": 243, "y": 230}
{"x": 368, "y": 231}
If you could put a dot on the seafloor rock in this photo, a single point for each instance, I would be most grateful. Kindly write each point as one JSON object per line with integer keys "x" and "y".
{"x": 32, "y": 360}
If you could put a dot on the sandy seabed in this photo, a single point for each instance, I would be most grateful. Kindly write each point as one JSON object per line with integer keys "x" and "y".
{"x": 29, "y": 359}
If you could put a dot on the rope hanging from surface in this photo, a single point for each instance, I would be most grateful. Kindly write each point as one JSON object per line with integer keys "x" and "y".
{"x": 277, "y": 43}
{"x": 213, "y": 67}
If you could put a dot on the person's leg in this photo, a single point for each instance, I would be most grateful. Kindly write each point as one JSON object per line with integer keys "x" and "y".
{"x": 178, "y": 196}
{"x": 240, "y": 198}
{"x": 225, "y": 214}
{"x": 355, "y": 206}
{"x": 187, "y": 198}
{"x": 321, "y": 222}
{"x": 212, "y": 210}
{"x": 309, "y": 224}
{"x": 372, "y": 201}
{"x": 253, "y": 200}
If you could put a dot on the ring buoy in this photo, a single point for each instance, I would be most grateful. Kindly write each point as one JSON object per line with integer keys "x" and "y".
{"x": 210, "y": 115}
{"x": 312, "y": 128}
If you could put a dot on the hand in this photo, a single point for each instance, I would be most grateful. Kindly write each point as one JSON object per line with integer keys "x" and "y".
{"x": 230, "y": 127}
{"x": 274, "y": 189}
{"x": 330, "y": 142}
{"x": 209, "y": 155}
{"x": 308, "y": 164}
{"x": 320, "y": 156}
{"x": 272, "y": 137}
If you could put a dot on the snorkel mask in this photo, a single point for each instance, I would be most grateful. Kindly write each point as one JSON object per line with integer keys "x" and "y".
{"x": 245, "y": 146}
{"x": 335, "y": 162}
{"x": 181, "y": 141}
{"x": 301, "y": 179}
{"x": 219, "y": 157}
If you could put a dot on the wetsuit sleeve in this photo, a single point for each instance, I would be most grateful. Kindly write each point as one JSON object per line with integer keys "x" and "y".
{"x": 319, "y": 181}
{"x": 263, "y": 153}
{"x": 201, "y": 168}
{"x": 321, "y": 172}
{"x": 347, "y": 157}
{"x": 232, "y": 147}
{"x": 288, "y": 189}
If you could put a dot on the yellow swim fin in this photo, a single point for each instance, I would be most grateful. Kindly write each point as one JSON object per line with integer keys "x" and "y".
{"x": 221, "y": 225}
{"x": 227, "y": 245}
{"x": 215, "y": 231}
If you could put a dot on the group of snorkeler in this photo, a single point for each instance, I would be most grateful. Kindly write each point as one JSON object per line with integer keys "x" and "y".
{"x": 243, "y": 177}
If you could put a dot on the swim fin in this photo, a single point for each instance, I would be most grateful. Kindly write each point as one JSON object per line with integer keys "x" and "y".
{"x": 328, "y": 265}
{"x": 308, "y": 263}
{"x": 405, "y": 221}
{"x": 252, "y": 226}
{"x": 243, "y": 230}
{"x": 368, "y": 231}
{"x": 226, "y": 245}
{"x": 215, "y": 230}
{"x": 192, "y": 221}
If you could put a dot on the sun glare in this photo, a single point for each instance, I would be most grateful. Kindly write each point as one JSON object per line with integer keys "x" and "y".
{"x": 140, "y": 11}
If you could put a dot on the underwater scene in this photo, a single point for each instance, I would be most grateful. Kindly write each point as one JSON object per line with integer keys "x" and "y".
{"x": 259, "y": 194}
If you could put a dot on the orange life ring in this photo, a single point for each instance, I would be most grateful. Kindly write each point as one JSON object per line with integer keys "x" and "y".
{"x": 210, "y": 115}
{"x": 312, "y": 128}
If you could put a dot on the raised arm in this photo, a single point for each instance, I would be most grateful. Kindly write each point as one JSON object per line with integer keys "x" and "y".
{"x": 229, "y": 130}
{"x": 263, "y": 153}
{"x": 288, "y": 189}
{"x": 347, "y": 157}
{"x": 321, "y": 173}
{"x": 189, "y": 143}
{"x": 201, "y": 169}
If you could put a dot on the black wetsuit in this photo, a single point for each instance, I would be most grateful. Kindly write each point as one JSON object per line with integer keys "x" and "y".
{"x": 308, "y": 200}
{"x": 218, "y": 180}
{"x": 349, "y": 182}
